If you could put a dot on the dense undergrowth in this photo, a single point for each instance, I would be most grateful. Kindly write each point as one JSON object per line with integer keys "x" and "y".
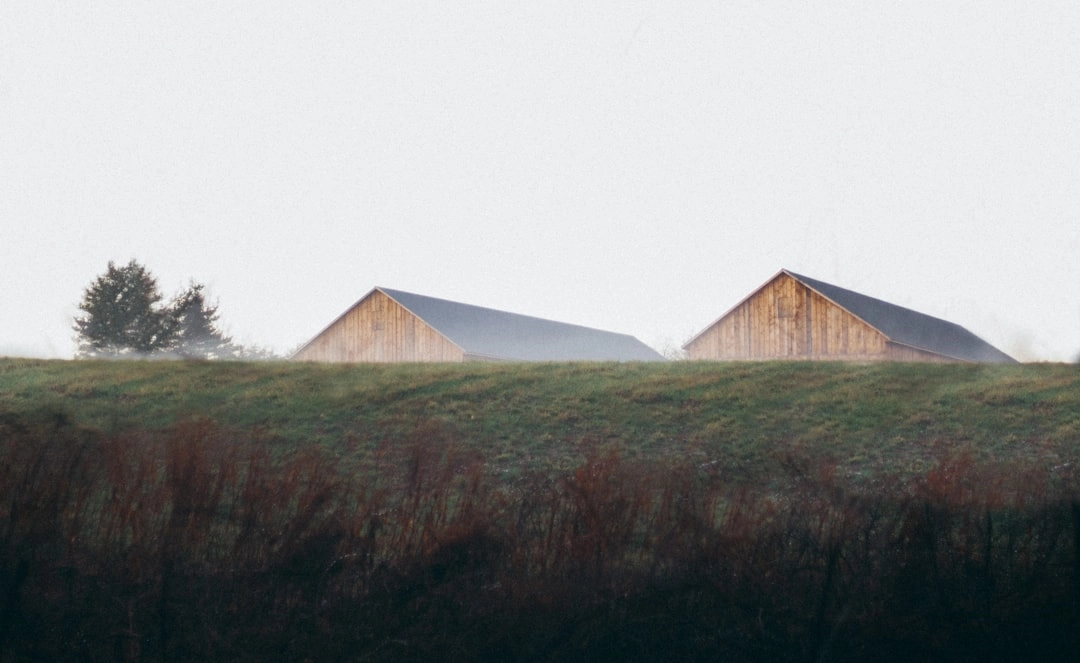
{"x": 204, "y": 539}
{"x": 194, "y": 543}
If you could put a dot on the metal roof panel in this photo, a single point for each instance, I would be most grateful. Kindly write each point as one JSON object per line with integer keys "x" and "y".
{"x": 495, "y": 334}
{"x": 908, "y": 327}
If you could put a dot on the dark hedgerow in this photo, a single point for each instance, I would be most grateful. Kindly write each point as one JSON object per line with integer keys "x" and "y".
{"x": 197, "y": 542}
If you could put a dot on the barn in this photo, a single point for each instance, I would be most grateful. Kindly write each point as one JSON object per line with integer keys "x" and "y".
{"x": 795, "y": 317}
{"x": 394, "y": 326}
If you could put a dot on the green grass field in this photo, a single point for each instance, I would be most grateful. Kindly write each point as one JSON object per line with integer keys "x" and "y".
{"x": 896, "y": 419}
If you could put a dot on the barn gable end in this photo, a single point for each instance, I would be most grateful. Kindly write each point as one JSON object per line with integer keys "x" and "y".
{"x": 796, "y": 317}
{"x": 379, "y": 329}
{"x": 395, "y": 326}
{"x": 784, "y": 319}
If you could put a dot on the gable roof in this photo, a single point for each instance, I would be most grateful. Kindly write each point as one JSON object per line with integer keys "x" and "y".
{"x": 489, "y": 333}
{"x": 901, "y": 325}
{"x": 908, "y": 327}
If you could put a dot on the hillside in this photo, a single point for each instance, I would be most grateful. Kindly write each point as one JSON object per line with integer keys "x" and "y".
{"x": 747, "y": 512}
{"x": 747, "y": 421}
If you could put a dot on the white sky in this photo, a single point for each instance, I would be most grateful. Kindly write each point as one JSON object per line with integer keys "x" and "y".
{"x": 633, "y": 166}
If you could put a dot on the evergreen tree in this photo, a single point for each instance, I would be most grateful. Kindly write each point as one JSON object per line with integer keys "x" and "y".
{"x": 122, "y": 315}
{"x": 196, "y": 335}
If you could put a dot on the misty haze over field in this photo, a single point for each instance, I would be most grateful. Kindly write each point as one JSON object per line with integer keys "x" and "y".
{"x": 632, "y": 166}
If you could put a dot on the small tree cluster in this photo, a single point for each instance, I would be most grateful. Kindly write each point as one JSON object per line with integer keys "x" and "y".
{"x": 124, "y": 317}
{"x": 195, "y": 327}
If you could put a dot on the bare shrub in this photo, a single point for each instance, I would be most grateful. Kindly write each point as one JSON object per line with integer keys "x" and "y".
{"x": 203, "y": 542}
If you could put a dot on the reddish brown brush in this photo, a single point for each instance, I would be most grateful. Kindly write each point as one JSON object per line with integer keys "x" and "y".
{"x": 199, "y": 542}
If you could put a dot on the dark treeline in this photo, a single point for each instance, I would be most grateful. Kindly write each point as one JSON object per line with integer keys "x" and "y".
{"x": 199, "y": 543}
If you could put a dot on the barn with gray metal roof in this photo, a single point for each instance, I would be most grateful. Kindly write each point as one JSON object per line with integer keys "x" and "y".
{"x": 793, "y": 316}
{"x": 388, "y": 325}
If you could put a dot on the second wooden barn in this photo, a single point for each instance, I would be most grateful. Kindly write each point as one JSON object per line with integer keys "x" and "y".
{"x": 796, "y": 317}
{"x": 395, "y": 326}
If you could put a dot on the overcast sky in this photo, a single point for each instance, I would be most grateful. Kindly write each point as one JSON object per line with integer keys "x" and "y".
{"x": 634, "y": 166}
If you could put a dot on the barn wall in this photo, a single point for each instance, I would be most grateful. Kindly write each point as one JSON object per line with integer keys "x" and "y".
{"x": 378, "y": 329}
{"x": 897, "y": 352}
{"x": 787, "y": 320}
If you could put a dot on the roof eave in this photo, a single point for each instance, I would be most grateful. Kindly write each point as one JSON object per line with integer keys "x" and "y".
{"x": 361, "y": 301}
{"x": 928, "y": 350}
{"x": 850, "y": 312}
{"x": 907, "y": 345}
{"x": 686, "y": 346}
{"x": 333, "y": 322}
{"x": 421, "y": 319}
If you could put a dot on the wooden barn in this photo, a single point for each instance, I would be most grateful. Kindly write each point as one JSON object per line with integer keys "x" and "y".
{"x": 394, "y": 326}
{"x": 796, "y": 317}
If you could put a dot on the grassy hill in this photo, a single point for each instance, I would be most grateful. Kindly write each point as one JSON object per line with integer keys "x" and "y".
{"x": 154, "y": 511}
{"x": 741, "y": 419}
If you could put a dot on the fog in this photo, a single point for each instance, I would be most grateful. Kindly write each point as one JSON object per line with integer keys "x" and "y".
{"x": 633, "y": 166}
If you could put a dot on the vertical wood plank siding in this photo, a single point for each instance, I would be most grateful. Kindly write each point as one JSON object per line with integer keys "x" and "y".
{"x": 897, "y": 352}
{"x": 787, "y": 320}
{"x": 378, "y": 329}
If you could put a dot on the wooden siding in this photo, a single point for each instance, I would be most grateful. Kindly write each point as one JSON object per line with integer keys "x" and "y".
{"x": 898, "y": 352}
{"x": 378, "y": 329}
{"x": 785, "y": 319}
